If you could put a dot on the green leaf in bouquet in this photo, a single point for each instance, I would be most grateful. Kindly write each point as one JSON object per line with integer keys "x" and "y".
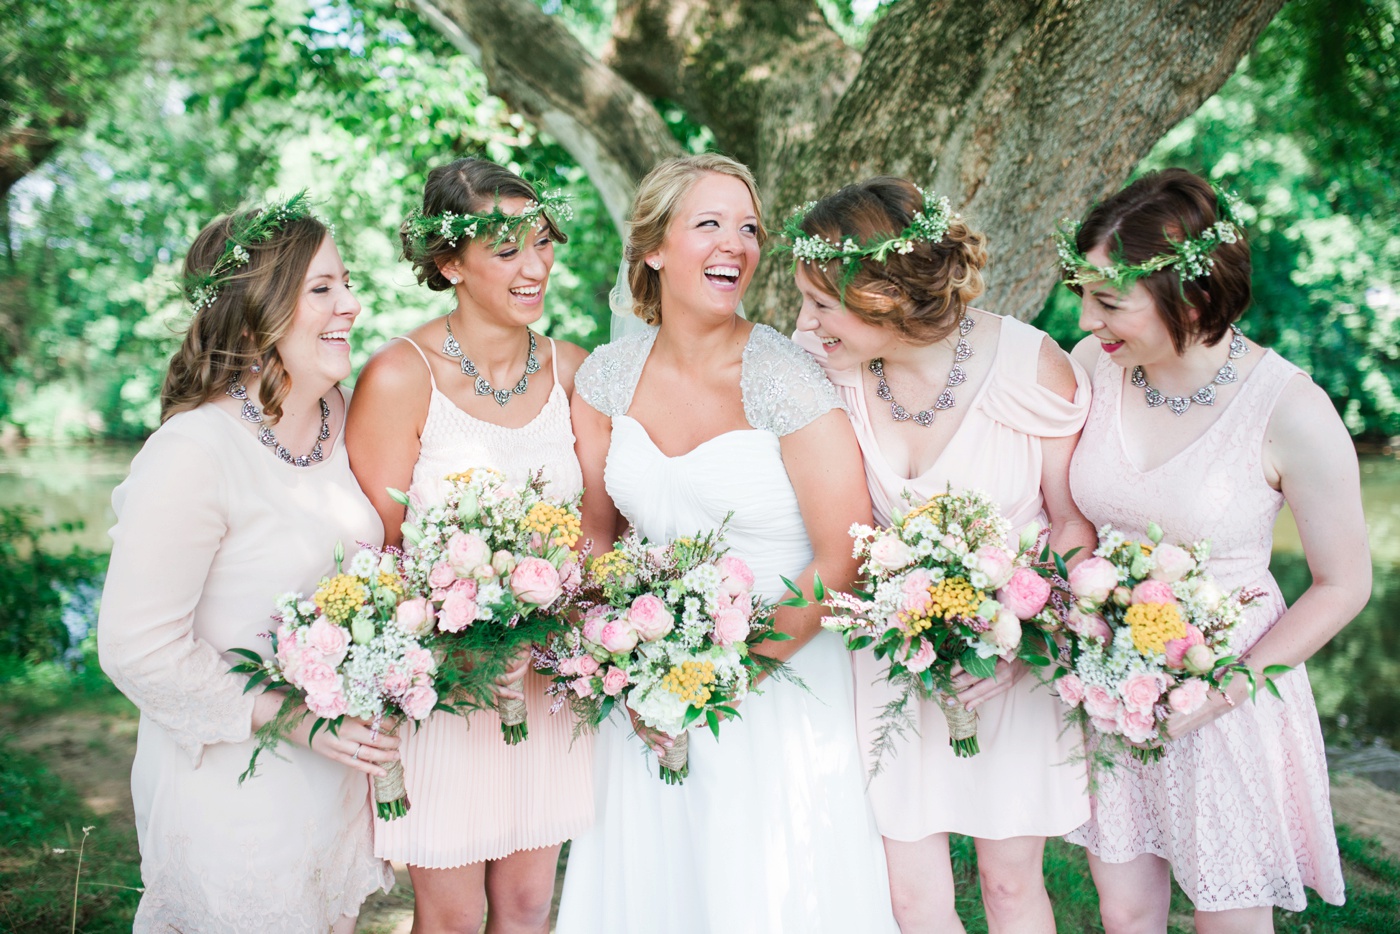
{"x": 818, "y": 588}
{"x": 606, "y": 707}
{"x": 691, "y": 715}
{"x": 1038, "y": 661}
{"x": 926, "y": 679}
{"x": 1273, "y": 671}
{"x": 728, "y": 711}
{"x": 798, "y": 599}
{"x": 860, "y": 641}
{"x": 1272, "y": 688}
{"x": 1069, "y": 555}
{"x": 248, "y": 654}
{"x": 1060, "y": 567}
{"x": 258, "y": 678}
{"x": 712, "y": 720}
{"x": 976, "y": 665}
{"x": 398, "y": 496}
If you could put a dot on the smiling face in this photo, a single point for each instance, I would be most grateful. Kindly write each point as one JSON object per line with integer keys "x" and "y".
{"x": 711, "y": 248}
{"x": 316, "y": 348}
{"x": 847, "y": 340}
{"x": 1128, "y": 326}
{"x": 505, "y": 283}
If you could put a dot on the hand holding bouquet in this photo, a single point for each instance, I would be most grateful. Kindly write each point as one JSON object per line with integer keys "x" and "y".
{"x": 945, "y": 590}
{"x": 1150, "y": 633}
{"x": 667, "y": 631}
{"x": 491, "y": 572}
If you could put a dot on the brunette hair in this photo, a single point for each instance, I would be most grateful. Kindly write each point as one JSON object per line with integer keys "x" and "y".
{"x": 1136, "y": 224}
{"x": 253, "y": 311}
{"x": 466, "y": 186}
{"x": 922, "y": 294}
{"x": 653, "y": 209}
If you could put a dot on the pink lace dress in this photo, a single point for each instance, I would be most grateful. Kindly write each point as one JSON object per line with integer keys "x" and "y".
{"x": 473, "y": 796}
{"x": 1029, "y": 779}
{"x": 1239, "y": 808}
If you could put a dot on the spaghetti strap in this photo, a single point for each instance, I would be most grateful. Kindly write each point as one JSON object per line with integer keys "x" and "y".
{"x": 410, "y": 343}
{"x": 553, "y": 361}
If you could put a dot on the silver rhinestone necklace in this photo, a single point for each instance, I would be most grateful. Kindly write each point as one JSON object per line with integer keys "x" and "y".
{"x": 483, "y": 388}
{"x": 1178, "y": 405}
{"x": 251, "y": 413}
{"x": 946, "y": 400}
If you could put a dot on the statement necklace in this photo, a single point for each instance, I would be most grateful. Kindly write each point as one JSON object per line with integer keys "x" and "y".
{"x": 251, "y": 413}
{"x": 483, "y": 388}
{"x": 946, "y": 400}
{"x": 1206, "y": 394}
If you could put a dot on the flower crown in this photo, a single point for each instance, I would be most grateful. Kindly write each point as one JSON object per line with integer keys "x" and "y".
{"x": 1192, "y": 255}
{"x": 928, "y": 225}
{"x": 202, "y": 290}
{"x": 502, "y": 226}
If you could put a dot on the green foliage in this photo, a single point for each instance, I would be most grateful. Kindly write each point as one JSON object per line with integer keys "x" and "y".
{"x": 39, "y": 588}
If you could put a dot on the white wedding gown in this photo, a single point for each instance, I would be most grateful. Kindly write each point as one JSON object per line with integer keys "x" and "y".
{"x": 771, "y": 831}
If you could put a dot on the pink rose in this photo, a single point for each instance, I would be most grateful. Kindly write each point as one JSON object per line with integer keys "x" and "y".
{"x": 1071, "y": 689}
{"x": 735, "y": 576}
{"x": 458, "y": 611}
{"x": 418, "y": 701}
{"x": 995, "y": 563}
{"x": 1105, "y": 725}
{"x": 593, "y": 622}
{"x": 743, "y": 602}
{"x": 503, "y": 562}
{"x": 1171, "y": 563}
{"x": 587, "y": 665}
{"x": 1137, "y": 726}
{"x": 1153, "y": 591}
{"x": 617, "y": 636}
{"x": 484, "y": 572}
{"x": 1176, "y": 649}
{"x": 889, "y": 553}
{"x": 1122, "y": 595}
{"x": 318, "y": 678}
{"x": 536, "y": 581}
{"x": 1141, "y": 691}
{"x": 396, "y": 682}
{"x": 330, "y": 640}
{"x": 1025, "y": 594}
{"x": 441, "y": 576}
{"x": 731, "y": 626}
{"x": 650, "y": 617}
{"x": 1199, "y": 659}
{"x": 329, "y": 705}
{"x": 915, "y": 591}
{"x": 419, "y": 662}
{"x": 583, "y": 687}
{"x": 614, "y": 681}
{"x": 466, "y": 551}
{"x": 921, "y": 658}
{"x": 1099, "y": 702}
{"x": 415, "y": 616}
{"x": 1093, "y": 579}
{"x": 568, "y": 667}
{"x": 1187, "y": 696}
{"x": 1005, "y": 633}
{"x": 1088, "y": 625}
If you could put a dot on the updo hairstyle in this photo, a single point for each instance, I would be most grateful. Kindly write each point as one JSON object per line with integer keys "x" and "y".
{"x": 653, "y": 210}
{"x": 1135, "y": 224}
{"x": 466, "y": 186}
{"x": 253, "y": 311}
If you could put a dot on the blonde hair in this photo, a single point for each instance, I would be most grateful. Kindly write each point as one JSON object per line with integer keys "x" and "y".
{"x": 654, "y": 208}
{"x": 242, "y": 326}
{"x": 922, "y": 294}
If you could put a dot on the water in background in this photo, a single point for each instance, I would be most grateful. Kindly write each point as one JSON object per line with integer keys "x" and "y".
{"x": 1356, "y": 678}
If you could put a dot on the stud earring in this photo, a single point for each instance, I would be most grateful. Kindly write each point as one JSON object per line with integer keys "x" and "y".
{"x": 654, "y": 264}
{"x": 255, "y": 368}
{"x": 454, "y": 280}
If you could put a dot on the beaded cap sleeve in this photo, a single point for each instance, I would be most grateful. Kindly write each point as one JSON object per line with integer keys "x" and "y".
{"x": 784, "y": 388}
{"x": 608, "y": 378}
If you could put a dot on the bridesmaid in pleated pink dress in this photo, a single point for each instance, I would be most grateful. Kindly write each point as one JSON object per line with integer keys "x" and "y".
{"x": 1237, "y": 809}
{"x": 487, "y": 819}
{"x": 1010, "y": 407}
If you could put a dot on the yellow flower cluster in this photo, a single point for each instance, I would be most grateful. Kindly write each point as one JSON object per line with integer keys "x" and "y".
{"x": 952, "y": 596}
{"x": 545, "y": 518}
{"x": 340, "y": 596}
{"x": 391, "y": 583}
{"x": 614, "y": 564}
{"x": 933, "y": 509}
{"x": 1154, "y": 625}
{"x": 690, "y": 682}
{"x": 465, "y": 476}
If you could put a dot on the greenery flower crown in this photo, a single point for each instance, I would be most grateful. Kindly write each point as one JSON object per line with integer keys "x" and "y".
{"x": 1192, "y": 255}
{"x": 202, "y": 290}
{"x": 497, "y": 223}
{"x": 928, "y": 225}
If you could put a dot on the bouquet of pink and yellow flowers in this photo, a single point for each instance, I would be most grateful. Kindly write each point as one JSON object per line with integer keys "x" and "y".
{"x": 667, "y": 631}
{"x": 492, "y": 573}
{"x": 944, "y": 589}
{"x": 1149, "y": 634}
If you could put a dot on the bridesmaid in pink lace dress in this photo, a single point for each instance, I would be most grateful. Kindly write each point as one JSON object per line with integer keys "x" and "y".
{"x": 488, "y": 818}
{"x": 212, "y": 526}
{"x": 1201, "y": 430}
{"x": 1009, "y": 406}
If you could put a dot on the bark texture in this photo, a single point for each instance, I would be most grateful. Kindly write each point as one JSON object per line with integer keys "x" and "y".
{"x": 1021, "y": 111}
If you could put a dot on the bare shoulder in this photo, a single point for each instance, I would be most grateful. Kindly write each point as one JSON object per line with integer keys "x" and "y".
{"x": 568, "y": 358}
{"x": 1306, "y": 438}
{"x": 394, "y": 370}
{"x": 1053, "y": 370}
{"x": 1086, "y": 353}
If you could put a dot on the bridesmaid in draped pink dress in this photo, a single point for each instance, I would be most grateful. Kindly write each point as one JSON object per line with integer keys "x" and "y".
{"x": 1197, "y": 428}
{"x": 487, "y": 818}
{"x": 940, "y": 393}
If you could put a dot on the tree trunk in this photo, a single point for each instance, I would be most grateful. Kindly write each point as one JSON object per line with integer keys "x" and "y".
{"x": 1021, "y": 111}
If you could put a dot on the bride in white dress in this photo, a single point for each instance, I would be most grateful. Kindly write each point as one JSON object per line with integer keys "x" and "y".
{"x": 704, "y": 416}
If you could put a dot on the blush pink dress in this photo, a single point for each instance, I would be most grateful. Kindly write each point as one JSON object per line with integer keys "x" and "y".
{"x": 473, "y": 796}
{"x": 211, "y": 529}
{"x": 1240, "y": 806}
{"x": 1029, "y": 778}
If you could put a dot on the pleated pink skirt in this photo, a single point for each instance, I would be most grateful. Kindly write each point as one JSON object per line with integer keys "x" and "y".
{"x": 474, "y": 798}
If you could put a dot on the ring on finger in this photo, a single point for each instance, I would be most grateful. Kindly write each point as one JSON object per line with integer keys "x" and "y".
{"x": 356, "y": 753}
